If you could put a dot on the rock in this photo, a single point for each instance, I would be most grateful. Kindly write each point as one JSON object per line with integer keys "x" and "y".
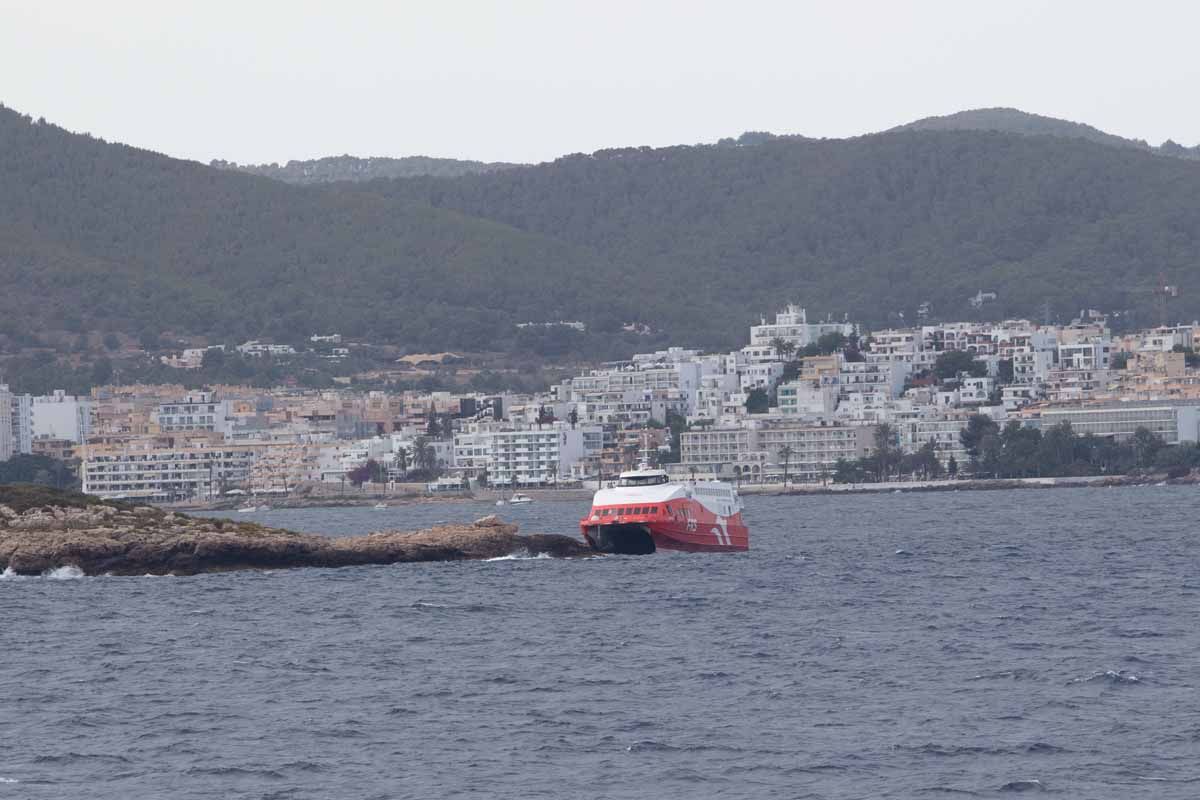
{"x": 101, "y": 539}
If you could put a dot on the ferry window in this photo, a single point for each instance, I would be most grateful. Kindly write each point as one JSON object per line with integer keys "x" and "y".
{"x": 643, "y": 480}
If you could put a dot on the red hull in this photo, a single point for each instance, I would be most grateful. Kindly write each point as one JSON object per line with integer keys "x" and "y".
{"x": 703, "y": 532}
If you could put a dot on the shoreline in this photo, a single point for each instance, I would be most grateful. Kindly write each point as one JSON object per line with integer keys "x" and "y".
{"x": 746, "y": 490}
{"x": 976, "y": 485}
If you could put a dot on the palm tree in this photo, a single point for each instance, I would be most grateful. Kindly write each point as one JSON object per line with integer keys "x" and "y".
{"x": 783, "y": 347}
{"x": 402, "y": 459}
{"x": 785, "y": 455}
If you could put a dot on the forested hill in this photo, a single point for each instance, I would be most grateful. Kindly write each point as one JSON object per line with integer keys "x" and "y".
{"x": 350, "y": 168}
{"x": 98, "y": 236}
{"x": 695, "y": 241}
{"x": 1011, "y": 120}
{"x": 873, "y": 226}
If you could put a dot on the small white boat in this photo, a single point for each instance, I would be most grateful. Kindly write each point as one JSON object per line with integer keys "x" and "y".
{"x": 264, "y": 508}
{"x": 247, "y": 510}
{"x": 500, "y": 502}
{"x": 380, "y": 505}
{"x": 519, "y": 499}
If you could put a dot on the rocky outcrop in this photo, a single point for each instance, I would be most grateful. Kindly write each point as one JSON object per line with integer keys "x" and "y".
{"x": 125, "y": 540}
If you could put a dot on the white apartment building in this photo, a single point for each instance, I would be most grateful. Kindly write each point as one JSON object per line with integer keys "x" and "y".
{"x": 257, "y": 348}
{"x": 1032, "y": 367}
{"x": 1018, "y": 396}
{"x": 943, "y": 430}
{"x": 198, "y": 411}
{"x": 636, "y": 393}
{"x": 807, "y": 398}
{"x": 160, "y": 471}
{"x": 713, "y": 394}
{"x": 1165, "y": 339}
{"x": 1090, "y": 354}
{"x": 760, "y": 376}
{"x": 7, "y": 448}
{"x": 883, "y": 379}
{"x": 61, "y": 416}
{"x": 792, "y": 325}
{"x": 22, "y": 423}
{"x": 538, "y": 457}
{"x": 752, "y": 452}
{"x": 1175, "y": 423}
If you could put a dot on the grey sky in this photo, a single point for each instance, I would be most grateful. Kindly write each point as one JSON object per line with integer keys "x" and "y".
{"x": 259, "y": 81}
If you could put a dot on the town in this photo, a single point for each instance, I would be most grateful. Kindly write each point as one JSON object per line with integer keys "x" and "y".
{"x": 804, "y": 402}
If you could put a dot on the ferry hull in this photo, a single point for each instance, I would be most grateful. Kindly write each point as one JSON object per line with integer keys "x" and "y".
{"x": 640, "y": 538}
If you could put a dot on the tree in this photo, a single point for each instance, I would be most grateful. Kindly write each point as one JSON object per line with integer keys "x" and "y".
{"x": 926, "y": 461}
{"x": 951, "y": 363}
{"x": 977, "y": 427}
{"x": 425, "y": 457}
{"x": 758, "y": 402}
{"x": 886, "y": 452}
{"x": 573, "y": 417}
{"x": 785, "y": 455}
{"x": 952, "y": 466}
{"x": 991, "y": 454}
{"x": 845, "y": 471}
{"x": 102, "y": 372}
{"x": 213, "y": 359}
{"x": 1146, "y": 445}
{"x": 783, "y": 347}
{"x": 832, "y": 342}
{"x": 363, "y": 472}
{"x": 402, "y": 460}
{"x": 545, "y": 416}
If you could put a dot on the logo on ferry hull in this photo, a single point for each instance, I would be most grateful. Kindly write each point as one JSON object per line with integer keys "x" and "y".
{"x": 722, "y": 532}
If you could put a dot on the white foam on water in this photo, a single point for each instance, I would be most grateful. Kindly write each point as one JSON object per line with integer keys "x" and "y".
{"x": 3, "y": 779}
{"x": 519, "y": 557}
{"x": 10, "y": 574}
{"x": 67, "y": 573}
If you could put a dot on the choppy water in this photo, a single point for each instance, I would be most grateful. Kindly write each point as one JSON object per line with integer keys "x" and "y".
{"x": 887, "y": 646}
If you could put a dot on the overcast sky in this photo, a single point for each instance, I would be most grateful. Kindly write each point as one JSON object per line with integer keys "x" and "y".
{"x": 256, "y": 81}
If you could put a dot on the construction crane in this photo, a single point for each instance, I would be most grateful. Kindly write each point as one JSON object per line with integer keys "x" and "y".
{"x": 1162, "y": 292}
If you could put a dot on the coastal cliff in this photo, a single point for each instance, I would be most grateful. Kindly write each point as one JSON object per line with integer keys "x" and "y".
{"x": 43, "y": 529}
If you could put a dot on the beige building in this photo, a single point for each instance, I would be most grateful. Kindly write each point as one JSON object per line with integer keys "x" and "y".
{"x": 754, "y": 452}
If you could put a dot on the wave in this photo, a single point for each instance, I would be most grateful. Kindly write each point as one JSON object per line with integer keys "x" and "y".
{"x": 1115, "y": 677}
{"x": 67, "y": 573}
{"x": 8, "y": 780}
{"x": 1030, "y": 785}
{"x": 520, "y": 557}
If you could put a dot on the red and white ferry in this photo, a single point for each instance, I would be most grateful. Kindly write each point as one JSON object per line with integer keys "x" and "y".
{"x": 646, "y": 511}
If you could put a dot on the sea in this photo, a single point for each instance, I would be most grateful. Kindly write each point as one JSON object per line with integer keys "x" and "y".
{"x": 955, "y": 644}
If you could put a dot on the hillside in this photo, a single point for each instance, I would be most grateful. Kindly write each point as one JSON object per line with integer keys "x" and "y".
{"x": 97, "y": 236}
{"x": 350, "y": 168}
{"x": 873, "y": 226}
{"x": 1011, "y": 120}
{"x": 696, "y": 241}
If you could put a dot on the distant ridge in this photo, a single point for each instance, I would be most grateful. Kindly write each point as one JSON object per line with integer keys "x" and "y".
{"x": 352, "y": 168}
{"x": 691, "y": 242}
{"x": 1012, "y": 120}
